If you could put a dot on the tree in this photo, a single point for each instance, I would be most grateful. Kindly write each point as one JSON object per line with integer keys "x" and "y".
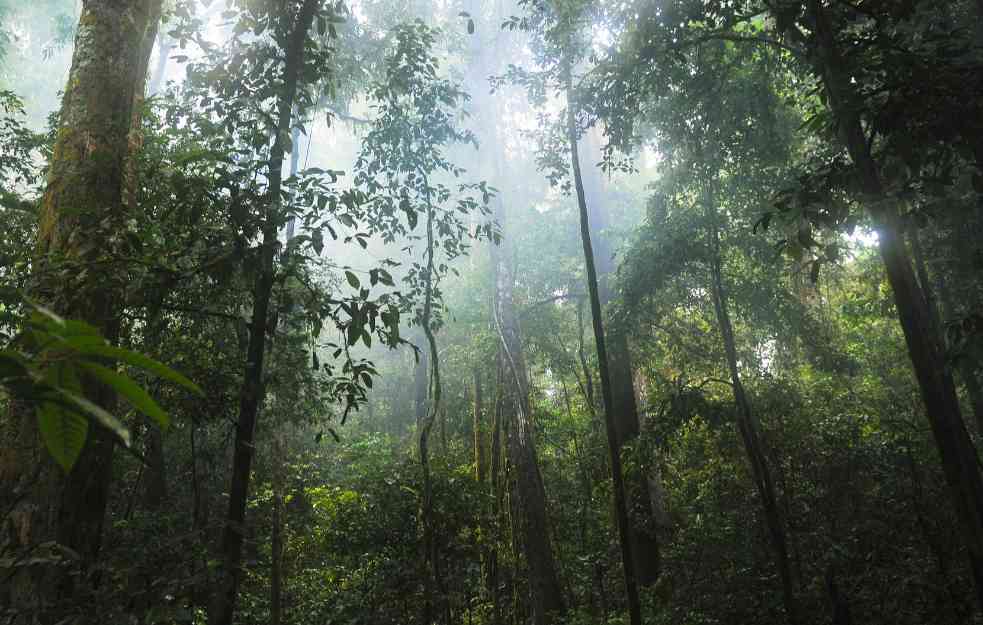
{"x": 294, "y": 32}
{"x": 80, "y": 273}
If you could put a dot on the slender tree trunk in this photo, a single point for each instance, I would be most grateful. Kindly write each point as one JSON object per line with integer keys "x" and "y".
{"x": 497, "y": 496}
{"x": 967, "y": 369}
{"x": 436, "y": 592}
{"x": 156, "y": 490}
{"x": 643, "y": 537}
{"x": 964, "y": 365}
{"x": 479, "y": 430}
{"x": 251, "y": 396}
{"x": 748, "y": 425}
{"x": 960, "y": 463}
{"x": 82, "y": 213}
{"x": 165, "y": 45}
{"x": 621, "y": 505}
{"x": 276, "y": 547}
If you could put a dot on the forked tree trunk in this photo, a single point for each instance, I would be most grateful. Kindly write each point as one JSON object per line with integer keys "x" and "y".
{"x": 224, "y": 599}
{"x": 82, "y": 213}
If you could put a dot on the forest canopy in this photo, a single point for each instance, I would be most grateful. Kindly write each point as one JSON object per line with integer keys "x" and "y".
{"x": 474, "y": 312}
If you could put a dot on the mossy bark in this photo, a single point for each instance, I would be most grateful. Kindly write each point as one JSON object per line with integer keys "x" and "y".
{"x": 78, "y": 272}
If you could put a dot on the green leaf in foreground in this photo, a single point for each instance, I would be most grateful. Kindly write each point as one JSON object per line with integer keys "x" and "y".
{"x": 63, "y": 432}
{"x": 98, "y": 413}
{"x": 143, "y": 362}
{"x": 130, "y": 390}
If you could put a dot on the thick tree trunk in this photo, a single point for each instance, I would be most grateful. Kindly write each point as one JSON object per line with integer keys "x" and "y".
{"x": 620, "y": 500}
{"x": 251, "y": 396}
{"x": 960, "y": 463}
{"x": 748, "y": 426}
{"x": 531, "y": 518}
{"x": 82, "y": 213}
{"x": 644, "y": 540}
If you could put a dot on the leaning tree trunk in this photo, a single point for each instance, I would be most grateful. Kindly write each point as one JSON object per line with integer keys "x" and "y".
{"x": 512, "y": 426}
{"x": 224, "y": 600}
{"x": 82, "y": 215}
{"x": 642, "y": 530}
{"x": 621, "y": 505}
{"x": 531, "y": 520}
{"x": 748, "y": 425}
{"x": 960, "y": 463}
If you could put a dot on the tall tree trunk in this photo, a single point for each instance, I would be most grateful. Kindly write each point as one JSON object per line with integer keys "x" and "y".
{"x": 960, "y": 463}
{"x": 251, "y": 396}
{"x": 642, "y": 534}
{"x": 607, "y": 394}
{"x": 276, "y": 547}
{"x": 165, "y": 44}
{"x": 479, "y": 430}
{"x": 966, "y": 366}
{"x": 82, "y": 213}
{"x": 546, "y": 594}
{"x": 497, "y": 497}
{"x": 748, "y": 425}
{"x": 436, "y": 594}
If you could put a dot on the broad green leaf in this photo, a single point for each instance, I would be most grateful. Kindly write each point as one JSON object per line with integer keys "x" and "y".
{"x": 352, "y": 279}
{"x": 143, "y": 362}
{"x": 130, "y": 390}
{"x": 63, "y": 432}
{"x": 98, "y": 413}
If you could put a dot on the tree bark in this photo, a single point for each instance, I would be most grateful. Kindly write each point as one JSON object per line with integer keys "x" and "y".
{"x": 532, "y": 523}
{"x": 82, "y": 214}
{"x": 436, "y": 595}
{"x": 960, "y": 462}
{"x": 251, "y": 396}
{"x": 479, "y": 430}
{"x": 276, "y": 547}
{"x": 642, "y": 534}
{"x": 621, "y": 505}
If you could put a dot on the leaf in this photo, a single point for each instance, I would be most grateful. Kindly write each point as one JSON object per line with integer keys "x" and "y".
{"x": 130, "y": 390}
{"x": 385, "y": 277}
{"x": 470, "y": 26}
{"x": 317, "y": 241}
{"x": 98, "y": 413}
{"x": 63, "y": 432}
{"x": 143, "y": 362}
{"x": 352, "y": 279}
